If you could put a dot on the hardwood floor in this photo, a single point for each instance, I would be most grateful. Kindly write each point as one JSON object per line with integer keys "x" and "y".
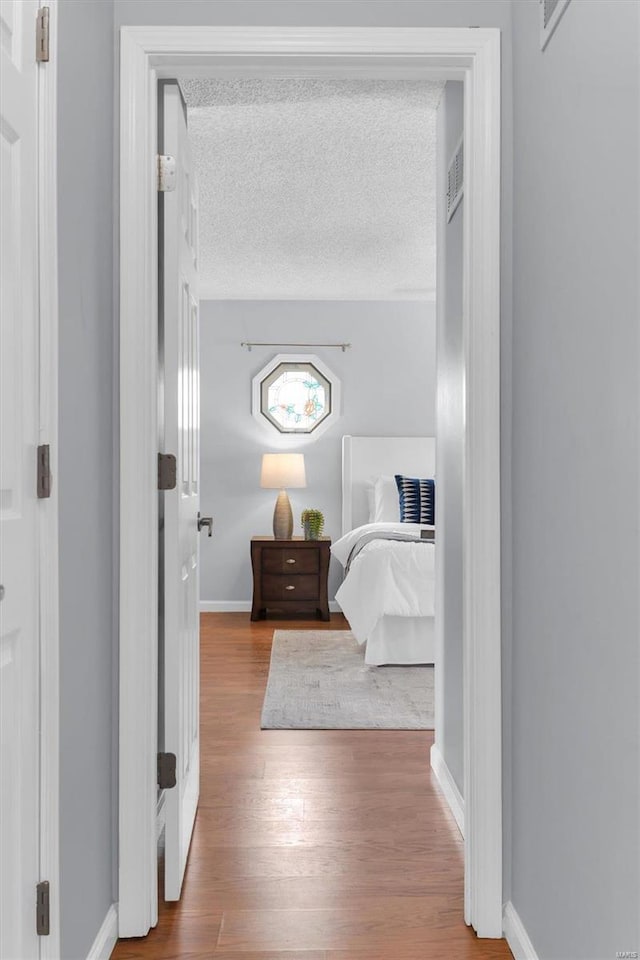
{"x": 309, "y": 845}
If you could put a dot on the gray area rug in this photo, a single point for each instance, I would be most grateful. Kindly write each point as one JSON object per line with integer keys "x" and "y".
{"x": 318, "y": 680}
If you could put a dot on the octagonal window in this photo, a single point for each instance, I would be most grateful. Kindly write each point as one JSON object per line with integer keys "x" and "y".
{"x": 296, "y": 395}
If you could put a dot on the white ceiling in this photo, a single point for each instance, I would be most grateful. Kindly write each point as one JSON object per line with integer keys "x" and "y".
{"x": 315, "y": 189}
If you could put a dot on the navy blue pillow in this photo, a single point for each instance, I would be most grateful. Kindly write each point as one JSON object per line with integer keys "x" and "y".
{"x": 417, "y": 500}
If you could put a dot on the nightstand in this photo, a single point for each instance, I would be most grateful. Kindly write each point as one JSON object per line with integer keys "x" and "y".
{"x": 290, "y": 576}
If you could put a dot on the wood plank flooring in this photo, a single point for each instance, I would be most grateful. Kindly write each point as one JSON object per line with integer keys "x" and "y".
{"x": 309, "y": 845}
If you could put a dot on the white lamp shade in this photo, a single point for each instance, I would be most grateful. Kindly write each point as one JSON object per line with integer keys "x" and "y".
{"x": 282, "y": 470}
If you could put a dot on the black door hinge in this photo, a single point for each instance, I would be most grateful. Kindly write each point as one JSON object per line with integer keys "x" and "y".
{"x": 166, "y": 770}
{"x": 43, "y": 472}
{"x": 42, "y": 908}
{"x": 167, "y": 471}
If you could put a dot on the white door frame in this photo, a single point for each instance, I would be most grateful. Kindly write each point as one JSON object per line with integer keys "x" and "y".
{"x": 151, "y": 53}
{"x": 48, "y": 509}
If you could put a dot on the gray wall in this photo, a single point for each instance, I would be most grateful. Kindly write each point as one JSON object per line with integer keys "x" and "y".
{"x": 87, "y": 630}
{"x": 388, "y": 389}
{"x": 450, "y": 438}
{"x": 363, "y": 13}
{"x": 574, "y": 704}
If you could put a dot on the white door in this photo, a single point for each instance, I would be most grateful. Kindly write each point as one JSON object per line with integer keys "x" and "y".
{"x": 19, "y": 613}
{"x": 179, "y": 338}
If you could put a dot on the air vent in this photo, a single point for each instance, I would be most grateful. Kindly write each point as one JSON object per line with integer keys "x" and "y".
{"x": 455, "y": 180}
{"x": 550, "y": 13}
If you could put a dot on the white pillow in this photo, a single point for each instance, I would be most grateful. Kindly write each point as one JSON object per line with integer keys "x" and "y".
{"x": 386, "y": 500}
{"x": 370, "y": 502}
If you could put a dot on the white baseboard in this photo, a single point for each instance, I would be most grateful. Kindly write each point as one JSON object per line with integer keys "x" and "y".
{"x": 449, "y": 787}
{"x": 225, "y": 606}
{"x": 244, "y": 606}
{"x": 516, "y": 935}
{"x": 107, "y": 936}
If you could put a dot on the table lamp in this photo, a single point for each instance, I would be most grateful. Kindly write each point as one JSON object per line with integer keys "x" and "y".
{"x": 281, "y": 470}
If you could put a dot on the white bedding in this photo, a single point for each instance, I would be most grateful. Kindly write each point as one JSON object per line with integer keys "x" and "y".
{"x": 343, "y": 547}
{"x": 387, "y": 578}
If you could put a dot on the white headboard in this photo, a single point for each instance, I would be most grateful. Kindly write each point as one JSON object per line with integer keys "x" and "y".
{"x": 364, "y": 458}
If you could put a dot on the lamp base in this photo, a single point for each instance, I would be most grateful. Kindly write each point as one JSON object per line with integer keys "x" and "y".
{"x": 283, "y": 518}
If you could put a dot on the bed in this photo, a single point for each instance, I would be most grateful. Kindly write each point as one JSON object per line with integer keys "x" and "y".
{"x": 388, "y": 593}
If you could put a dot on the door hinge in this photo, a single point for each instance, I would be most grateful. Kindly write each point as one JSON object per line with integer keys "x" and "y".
{"x": 166, "y": 173}
{"x": 166, "y": 770}
{"x": 43, "y": 472}
{"x": 42, "y": 908}
{"x": 167, "y": 471}
{"x": 42, "y": 35}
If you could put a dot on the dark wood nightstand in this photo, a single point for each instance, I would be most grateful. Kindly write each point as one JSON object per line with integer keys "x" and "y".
{"x": 290, "y": 575}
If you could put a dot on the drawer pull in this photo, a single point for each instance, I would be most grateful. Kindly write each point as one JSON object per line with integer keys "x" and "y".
{"x": 290, "y": 560}
{"x": 290, "y": 587}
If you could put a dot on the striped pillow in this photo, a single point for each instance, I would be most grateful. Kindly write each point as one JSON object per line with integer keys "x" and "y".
{"x": 417, "y": 500}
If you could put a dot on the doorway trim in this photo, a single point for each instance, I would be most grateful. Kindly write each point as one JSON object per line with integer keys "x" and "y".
{"x": 148, "y": 54}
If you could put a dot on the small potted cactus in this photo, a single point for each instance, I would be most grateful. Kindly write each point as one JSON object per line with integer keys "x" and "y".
{"x": 313, "y": 524}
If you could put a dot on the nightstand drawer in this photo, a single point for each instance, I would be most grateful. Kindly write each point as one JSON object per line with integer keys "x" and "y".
{"x": 296, "y": 561}
{"x": 300, "y": 587}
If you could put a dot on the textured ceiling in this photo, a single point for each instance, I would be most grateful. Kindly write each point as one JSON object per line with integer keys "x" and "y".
{"x": 315, "y": 189}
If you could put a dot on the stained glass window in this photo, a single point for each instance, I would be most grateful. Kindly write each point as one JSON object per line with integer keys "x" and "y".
{"x": 295, "y": 397}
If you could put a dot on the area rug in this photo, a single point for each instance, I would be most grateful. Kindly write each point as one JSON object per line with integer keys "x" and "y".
{"x": 318, "y": 680}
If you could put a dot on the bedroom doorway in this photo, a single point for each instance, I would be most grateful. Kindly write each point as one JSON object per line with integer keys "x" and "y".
{"x": 471, "y": 56}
